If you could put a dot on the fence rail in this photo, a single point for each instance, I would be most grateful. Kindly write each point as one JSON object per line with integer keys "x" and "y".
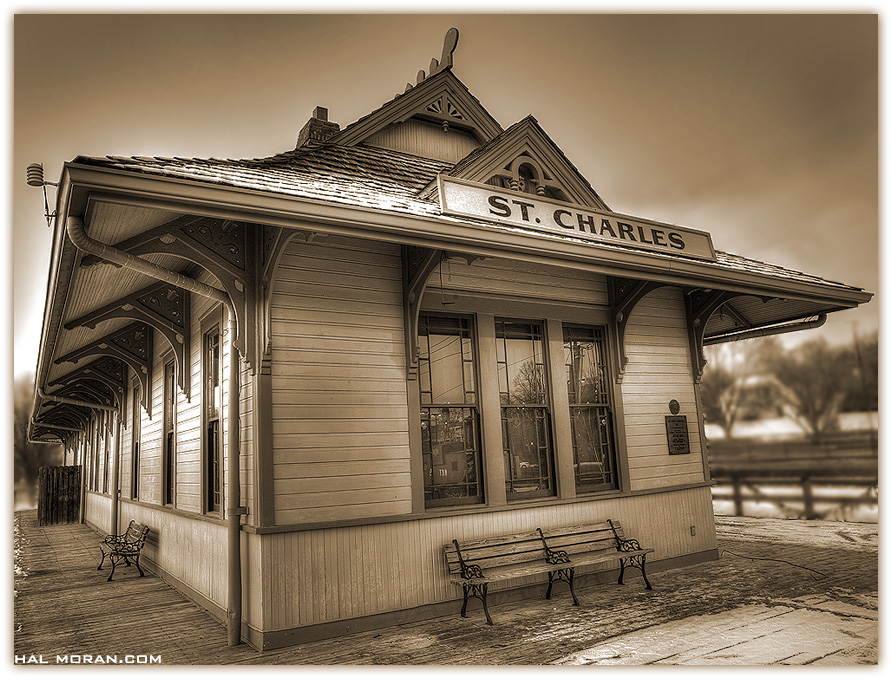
{"x": 811, "y": 490}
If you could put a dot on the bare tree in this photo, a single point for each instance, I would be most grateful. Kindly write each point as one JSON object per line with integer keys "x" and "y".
{"x": 813, "y": 379}
{"x": 29, "y": 458}
{"x": 721, "y": 397}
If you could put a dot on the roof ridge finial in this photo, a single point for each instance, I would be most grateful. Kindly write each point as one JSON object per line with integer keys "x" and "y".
{"x": 446, "y": 59}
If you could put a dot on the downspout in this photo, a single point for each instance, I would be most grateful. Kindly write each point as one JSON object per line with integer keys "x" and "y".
{"x": 78, "y": 235}
{"x": 769, "y": 330}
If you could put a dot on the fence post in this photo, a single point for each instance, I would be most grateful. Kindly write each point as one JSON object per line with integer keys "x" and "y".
{"x": 736, "y": 494}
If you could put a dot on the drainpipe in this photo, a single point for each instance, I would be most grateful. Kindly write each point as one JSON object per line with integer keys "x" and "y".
{"x": 770, "y": 330}
{"x": 78, "y": 235}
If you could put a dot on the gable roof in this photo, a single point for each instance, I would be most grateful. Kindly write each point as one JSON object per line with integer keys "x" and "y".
{"x": 527, "y": 137}
{"x": 423, "y": 99}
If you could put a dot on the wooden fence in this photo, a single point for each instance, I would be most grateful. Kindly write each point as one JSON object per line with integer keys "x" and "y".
{"x": 840, "y": 471}
{"x": 59, "y": 495}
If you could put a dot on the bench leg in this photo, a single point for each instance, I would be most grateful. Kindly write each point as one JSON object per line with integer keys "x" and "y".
{"x": 637, "y": 561}
{"x": 99, "y": 568}
{"x": 114, "y": 564}
{"x": 480, "y": 592}
{"x": 137, "y": 563}
{"x": 566, "y": 575}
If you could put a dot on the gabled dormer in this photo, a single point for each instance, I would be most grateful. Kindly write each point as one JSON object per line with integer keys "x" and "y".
{"x": 435, "y": 118}
{"x": 524, "y": 158}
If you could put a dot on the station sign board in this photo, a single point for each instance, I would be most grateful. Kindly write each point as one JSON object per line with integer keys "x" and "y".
{"x": 472, "y": 199}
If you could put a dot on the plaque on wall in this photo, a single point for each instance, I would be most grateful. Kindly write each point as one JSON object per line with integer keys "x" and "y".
{"x": 677, "y": 434}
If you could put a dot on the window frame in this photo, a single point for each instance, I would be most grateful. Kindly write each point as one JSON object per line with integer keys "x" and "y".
{"x": 600, "y": 336}
{"x": 480, "y": 497}
{"x": 168, "y": 494}
{"x": 136, "y": 428}
{"x": 552, "y": 316}
{"x": 213, "y": 321}
{"x": 543, "y": 410}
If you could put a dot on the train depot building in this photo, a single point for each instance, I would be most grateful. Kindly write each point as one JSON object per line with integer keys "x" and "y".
{"x": 310, "y": 372}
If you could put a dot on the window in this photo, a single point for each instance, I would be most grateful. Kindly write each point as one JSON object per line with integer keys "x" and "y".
{"x": 135, "y": 428}
{"x": 451, "y": 459}
{"x": 590, "y": 412}
{"x": 524, "y": 399}
{"x": 106, "y": 443}
{"x": 212, "y": 405}
{"x": 169, "y": 441}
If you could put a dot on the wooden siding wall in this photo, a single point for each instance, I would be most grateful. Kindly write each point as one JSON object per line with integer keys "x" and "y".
{"x": 493, "y": 277}
{"x": 426, "y": 140}
{"x": 340, "y": 438}
{"x": 192, "y": 552}
{"x": 342, "y": 573}
{"x": 658, "y": 371}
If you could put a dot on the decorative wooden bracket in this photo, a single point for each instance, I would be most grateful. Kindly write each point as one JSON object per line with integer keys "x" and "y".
{"x": 228, "y": 250}
{"x": 623, "y": 295}
{"x": 132, "y": 345}
{"x": 418, "y": 264}
{"x": 700, "y": 304}
{"x": 108, "y": 372}
{"x": 162, "y": 306}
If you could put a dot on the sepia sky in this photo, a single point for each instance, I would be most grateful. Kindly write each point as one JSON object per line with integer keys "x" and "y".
{"x": 759, "y": 128}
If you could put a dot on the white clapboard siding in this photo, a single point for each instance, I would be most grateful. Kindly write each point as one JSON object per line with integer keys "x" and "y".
{"x": 425, "y": 139}
{"x": 323, "y": 575}
{"x": 340, "y": 432}
{"x": 493, "y": 277}
{"x": 659, "y": 370}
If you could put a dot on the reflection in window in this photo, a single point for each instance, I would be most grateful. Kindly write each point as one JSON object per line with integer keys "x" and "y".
{"x": 451, "y": 460}
{"x": 590, "y": 412}
{"x": 524, "y": 397}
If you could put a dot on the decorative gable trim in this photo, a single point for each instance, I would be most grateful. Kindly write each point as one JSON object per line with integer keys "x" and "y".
{"x": 526, "y": 144}
{"x": 441, "y": 97}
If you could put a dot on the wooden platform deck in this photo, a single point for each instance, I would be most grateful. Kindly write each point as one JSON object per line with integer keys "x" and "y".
{"x": 63, "y": 606}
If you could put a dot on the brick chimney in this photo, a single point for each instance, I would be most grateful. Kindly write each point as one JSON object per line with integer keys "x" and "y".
{"x": 318, "y": 128}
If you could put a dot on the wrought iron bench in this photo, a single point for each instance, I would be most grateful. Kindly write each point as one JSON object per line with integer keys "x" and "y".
{"x": 124, "y": 547}
{"x": 476, "y": 564}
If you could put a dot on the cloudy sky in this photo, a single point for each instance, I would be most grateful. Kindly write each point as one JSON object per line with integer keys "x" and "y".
{"x": 759, "y": 128}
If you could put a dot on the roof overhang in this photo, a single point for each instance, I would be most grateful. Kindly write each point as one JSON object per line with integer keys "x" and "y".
{"x": 86, "y": 190}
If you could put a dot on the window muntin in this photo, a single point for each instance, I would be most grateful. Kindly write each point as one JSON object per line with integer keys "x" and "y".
{"x": 451, "y": 452}
{"x": 212, "y": 405}
{"x": 524, "y": 399}
{"x": 590, "y": 410}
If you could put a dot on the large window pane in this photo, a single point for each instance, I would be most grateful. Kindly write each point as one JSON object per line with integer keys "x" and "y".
{"x": 590, "y": 412}
{"x": 526, "y": 422}
{"x": 451, "y": 460}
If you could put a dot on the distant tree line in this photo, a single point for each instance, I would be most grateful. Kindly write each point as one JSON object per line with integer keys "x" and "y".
{"x": 29, "y": 457}
{"x": 812, "y": 383}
